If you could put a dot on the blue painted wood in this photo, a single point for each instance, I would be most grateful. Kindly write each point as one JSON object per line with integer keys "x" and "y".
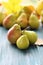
{"x": 11, "y": 55}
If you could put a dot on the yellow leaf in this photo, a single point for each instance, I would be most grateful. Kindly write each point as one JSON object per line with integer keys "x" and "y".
{"x": 12, "y": 6}
{"x": 15, "y": 2}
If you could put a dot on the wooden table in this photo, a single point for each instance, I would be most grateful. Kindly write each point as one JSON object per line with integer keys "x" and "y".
{"x": 11, "y": 55}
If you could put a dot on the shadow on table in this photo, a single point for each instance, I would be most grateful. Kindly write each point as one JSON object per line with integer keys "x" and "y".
{"x": 28, "y": 50}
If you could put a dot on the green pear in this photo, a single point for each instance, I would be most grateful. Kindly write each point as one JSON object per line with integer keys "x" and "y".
{"x": 9, "y": 21}
{"x": 42, "y": 17}
{"x": 22, "y": 20}
{"x": 33, "y": 21}
{"x": 32, "y": 36}
{"x": 2, "y": 16}
{"x": 14, "y": 33}
{"x": 22, "y": 42}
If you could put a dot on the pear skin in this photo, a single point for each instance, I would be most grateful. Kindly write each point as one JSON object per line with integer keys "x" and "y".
{"x": 2, "y": 16}
{"x": 34, "y": 22}
{"x": 22, "y": 42}
{"x": 32, "y": 36}
{"x": 22, "y": 20}
{"x": 9, "y": 21}
{"x": 42, "y": 16}
{"x": 39, "y": 7}
{"x": 14, "y": 33}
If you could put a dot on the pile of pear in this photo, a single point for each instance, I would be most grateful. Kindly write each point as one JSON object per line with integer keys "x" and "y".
{"x": 23, "y": 20}
{"x": 28, "y": 16}
{"x": 17, "y": 33}
{"x": 22, "y": 38}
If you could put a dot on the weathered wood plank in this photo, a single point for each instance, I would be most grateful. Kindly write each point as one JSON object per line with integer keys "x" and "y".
{"x": 11, "y": 55}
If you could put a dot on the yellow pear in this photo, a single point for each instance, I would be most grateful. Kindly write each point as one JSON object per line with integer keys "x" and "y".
{"x": 39, "y": 7}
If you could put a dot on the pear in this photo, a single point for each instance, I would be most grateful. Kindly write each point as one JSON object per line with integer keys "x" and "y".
{"x": 42, "y": 16}
{"x": 35, "y": 13}
{"x": 39, "y": 7}
{"x": 32, "y": 36}
{"x": 14, "y": 33}
{"x": 9, "y": 21}
{"x": 28, "y": 10}
{"x": 2, "y": 16}
{"x": 22, "y": 20}
{"x": 33, "y": 21}
{"x": 22, "y": 42}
